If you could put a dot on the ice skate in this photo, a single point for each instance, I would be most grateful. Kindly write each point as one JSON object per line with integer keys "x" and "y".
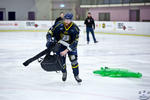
{"x": 64, "y": 76}
{"x": 78, "y": 79}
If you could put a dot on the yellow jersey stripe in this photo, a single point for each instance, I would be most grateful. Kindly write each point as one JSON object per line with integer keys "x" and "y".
{"x": 50, "y": 31}
{"x": 75, "y": 66}
{"x": 68, "y": 27}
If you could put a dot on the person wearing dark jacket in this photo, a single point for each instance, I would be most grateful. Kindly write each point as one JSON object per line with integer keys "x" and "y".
{"x": 90, "y": 26}
{"x": 60, "y": 18}
{"x": 68, "y": 32}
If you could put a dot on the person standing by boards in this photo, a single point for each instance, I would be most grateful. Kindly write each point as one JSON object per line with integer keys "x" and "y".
{"x": 90, "y": 26}
{"x": 60, "y": 18}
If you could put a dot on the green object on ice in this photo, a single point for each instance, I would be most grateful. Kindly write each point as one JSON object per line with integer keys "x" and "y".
{"x": 116, "y": 72}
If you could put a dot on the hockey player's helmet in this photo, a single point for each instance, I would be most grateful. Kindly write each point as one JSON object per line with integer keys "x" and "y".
{"x": 68, "y": 16}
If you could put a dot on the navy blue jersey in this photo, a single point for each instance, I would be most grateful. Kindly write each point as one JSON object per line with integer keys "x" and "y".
{"x": 58, "y": 19}
{"x": 69, "y": 35}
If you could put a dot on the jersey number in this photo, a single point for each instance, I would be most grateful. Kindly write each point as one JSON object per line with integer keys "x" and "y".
{"x": 65, "y": 38}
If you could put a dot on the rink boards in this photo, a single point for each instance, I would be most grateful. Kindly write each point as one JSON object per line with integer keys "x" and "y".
{"x": 115, "y": 28}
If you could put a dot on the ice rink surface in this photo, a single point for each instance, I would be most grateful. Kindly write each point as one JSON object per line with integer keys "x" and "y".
{"x": 33, "y": 83}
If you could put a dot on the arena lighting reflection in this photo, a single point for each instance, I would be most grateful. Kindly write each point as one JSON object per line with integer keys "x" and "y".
{"x": 62, "y": 5}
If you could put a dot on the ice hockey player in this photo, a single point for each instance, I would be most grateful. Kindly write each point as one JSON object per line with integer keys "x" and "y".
{"x": 68, "y": 32}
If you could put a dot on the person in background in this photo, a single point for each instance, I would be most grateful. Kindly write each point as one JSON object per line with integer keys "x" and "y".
{"x": 60, "y": 18}
{"x": 90, "y": 26}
